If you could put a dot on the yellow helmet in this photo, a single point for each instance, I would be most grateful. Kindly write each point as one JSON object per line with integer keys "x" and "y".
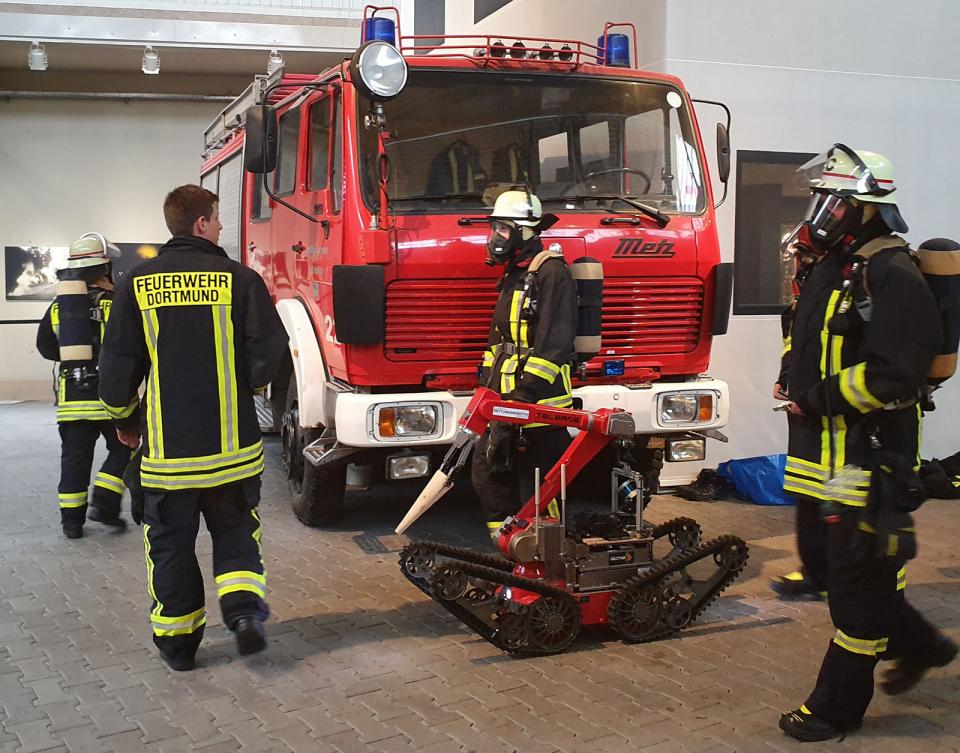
{"x": 519, "y": 207}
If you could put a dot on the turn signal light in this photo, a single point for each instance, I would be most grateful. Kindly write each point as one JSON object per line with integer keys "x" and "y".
{"x": 706, "y": 408}
{"x": 388, "y": 422}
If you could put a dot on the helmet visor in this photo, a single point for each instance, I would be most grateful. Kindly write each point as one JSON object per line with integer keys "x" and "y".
{"x": 842, "y": 172}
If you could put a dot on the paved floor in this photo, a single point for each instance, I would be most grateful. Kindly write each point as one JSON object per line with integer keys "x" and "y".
{"x": 359, "y": 660}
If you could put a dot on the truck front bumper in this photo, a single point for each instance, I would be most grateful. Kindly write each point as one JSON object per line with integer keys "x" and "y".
{"x": 358, "y": 415}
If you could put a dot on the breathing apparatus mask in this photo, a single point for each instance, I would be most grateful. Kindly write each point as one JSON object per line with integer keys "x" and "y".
{"x": 516, "y": 221}
{"x": 504, "y": 242}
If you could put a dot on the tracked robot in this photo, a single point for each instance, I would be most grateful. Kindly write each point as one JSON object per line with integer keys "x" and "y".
{"x": 556, "y": 576}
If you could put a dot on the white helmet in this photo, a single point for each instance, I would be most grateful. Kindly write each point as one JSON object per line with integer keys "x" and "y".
{"x": 858, "y": 174}
{"x": 91, "y": 250}
{"x": 521, "y": 208}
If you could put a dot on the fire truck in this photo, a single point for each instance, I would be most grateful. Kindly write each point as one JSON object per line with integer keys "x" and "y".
{"x": 361, "y": 195}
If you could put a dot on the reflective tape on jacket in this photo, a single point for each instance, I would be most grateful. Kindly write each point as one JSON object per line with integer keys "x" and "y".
{"x": 117, "y": 412}
{"x": 241, "y": 580}
{"x": 864, "y": 646}
{"x": 853, "y": 387}
{"x": 542, "y": 368}
{"x": 178, "y": 624}
{"x": 215, "y": 476}
{"x": 902, "y": 578}
{"x": 849, "y": 486}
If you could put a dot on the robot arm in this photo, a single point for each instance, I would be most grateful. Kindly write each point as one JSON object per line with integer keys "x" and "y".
{"x": 597, "y": 430}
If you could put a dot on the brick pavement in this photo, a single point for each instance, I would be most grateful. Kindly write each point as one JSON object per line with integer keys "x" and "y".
{"x": 359, "y": 660}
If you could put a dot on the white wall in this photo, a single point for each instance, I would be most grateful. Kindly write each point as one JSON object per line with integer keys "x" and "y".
{"x": 69, "y": 167}
{"x": 796, "y": 81}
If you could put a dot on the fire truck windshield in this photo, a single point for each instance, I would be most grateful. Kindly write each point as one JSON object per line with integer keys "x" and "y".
{"x": 457, "y": 139}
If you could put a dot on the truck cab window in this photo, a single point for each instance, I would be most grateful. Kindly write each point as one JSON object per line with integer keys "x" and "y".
{"x": 336, "y": 164}
{"x": 261, "y": 200}
{"x": 285, "y": 177}
{"x": 319, "y": 146}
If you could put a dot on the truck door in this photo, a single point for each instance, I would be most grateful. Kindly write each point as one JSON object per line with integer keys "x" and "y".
{"x": 324, "y": 186}
{"x": 290, "y": 233}
{"x": 259, "y": 244}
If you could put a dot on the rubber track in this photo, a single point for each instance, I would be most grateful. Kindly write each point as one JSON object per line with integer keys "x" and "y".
{"x": 679, "y": 561}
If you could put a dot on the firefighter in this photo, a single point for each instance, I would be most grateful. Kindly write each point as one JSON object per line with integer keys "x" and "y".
{"x": 528, "y": 358}
{"x": 202, "y": 331}
{"x": 864, "y": 334}
{"x": 71, "y": 332}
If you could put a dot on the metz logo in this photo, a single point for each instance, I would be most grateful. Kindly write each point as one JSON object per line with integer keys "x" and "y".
{"x": 640, "y": 248}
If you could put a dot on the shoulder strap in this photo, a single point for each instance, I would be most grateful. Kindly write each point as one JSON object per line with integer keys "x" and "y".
{"x": 872, "y": 248}
{"x": 540, "y": 258}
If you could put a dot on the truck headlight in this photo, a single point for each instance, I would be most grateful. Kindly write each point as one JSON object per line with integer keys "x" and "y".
{"x": 379, "y": 71}
{"x": 685, "y": 450}
{"x": 686, "y": 408}
{"x": 407, "y": 420}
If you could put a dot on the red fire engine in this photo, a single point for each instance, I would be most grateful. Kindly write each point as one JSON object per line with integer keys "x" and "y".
{"x": 361, "y": 195}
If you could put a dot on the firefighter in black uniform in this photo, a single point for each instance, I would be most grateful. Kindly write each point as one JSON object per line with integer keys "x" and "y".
{"x": 529, "y": 354}
{"x": 202, "y": 331}
{"x": 864, "y": 334}
{"x": 71, "y": 332}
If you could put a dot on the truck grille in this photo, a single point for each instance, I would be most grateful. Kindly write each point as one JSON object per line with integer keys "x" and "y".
{"x": 448, "y": 320}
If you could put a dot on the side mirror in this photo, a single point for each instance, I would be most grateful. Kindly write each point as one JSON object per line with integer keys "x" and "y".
{"x": 723, "y": 152}
{"x": 260, "y": 147}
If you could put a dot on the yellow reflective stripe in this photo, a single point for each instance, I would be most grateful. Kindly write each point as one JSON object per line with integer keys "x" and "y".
{"x": 487, "y": 359}
{"x": 151, "y": 328}
{"x": 893, "y": 545}
{"x": 902, "y": 578}
{"x": 515, "y": 316}
{"x": 70, "y": 500}
{"x": 82, "y": 405}
{"x": 787, "y": 345}
{"x": 257, "y": 533}
{"x": 157, "y": 605}
{"x": 864, "y": 646}
{"x": 241, "y": 580}
{"x": 117, "y": 412}
{"x": 825, "y": 331}
{"x": 561, "y": 401}
{"x": 179, "y": 625}
{"x": 508, "y": 374}
{"x": 805, "y": 710}
{"x": 226, "y": 376}
{"x": 553, "y": 509}
{"x": 203, "y": 481}
{"x": 542, "y": 368}
{"x": 55, "y": 316}
{"x": 817, "y": 489}
{"x": 106, "y": 481}
{"x": 202, "y": 462}
{"x": 821, "y": 469}
{"x": 494, "y": 525}
{"x": 853, "y": 387}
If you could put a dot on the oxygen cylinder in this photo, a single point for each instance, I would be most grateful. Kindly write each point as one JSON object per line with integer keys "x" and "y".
{"x": 75, "y": 333}
{"x": 587, "y": 272}
{"x": 940, "y": 265}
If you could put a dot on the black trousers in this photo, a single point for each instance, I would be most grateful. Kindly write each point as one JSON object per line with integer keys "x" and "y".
{"x": 503, "y": 493}
{"x": 873, "y": 620}
{"x": 812, "y": 537}
{"x": 78, "y": 440}
{"x": 171, "y": 521}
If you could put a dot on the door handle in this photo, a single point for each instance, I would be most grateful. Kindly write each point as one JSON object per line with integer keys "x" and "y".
{"x": 251, "y": 246}
{"x": 298, "y": 247}
{"x": 326, "y": 228}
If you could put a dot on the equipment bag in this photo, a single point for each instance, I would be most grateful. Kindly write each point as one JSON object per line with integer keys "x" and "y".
{"x": 587, "y": 273}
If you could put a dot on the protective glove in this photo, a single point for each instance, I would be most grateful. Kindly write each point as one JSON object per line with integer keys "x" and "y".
{"x": 501, "y": 446}
{"x": 131, "y": 479}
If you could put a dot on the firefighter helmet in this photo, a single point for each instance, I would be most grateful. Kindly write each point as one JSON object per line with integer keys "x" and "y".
{"x": 856, "y": 174}
{"x": 519, "y": 207}
{"x": 91, "y": 250}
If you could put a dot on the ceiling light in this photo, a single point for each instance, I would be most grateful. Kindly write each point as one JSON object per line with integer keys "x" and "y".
{"x": 151, "y": 61}
{"x": 275, "y": 61}
{"x": 37, "y": 57}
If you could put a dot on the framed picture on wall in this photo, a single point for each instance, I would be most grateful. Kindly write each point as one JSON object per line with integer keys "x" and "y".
{"x": 30, "y": 272}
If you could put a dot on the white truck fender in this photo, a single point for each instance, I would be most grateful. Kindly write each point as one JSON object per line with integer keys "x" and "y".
{"x": 308, "y": 366}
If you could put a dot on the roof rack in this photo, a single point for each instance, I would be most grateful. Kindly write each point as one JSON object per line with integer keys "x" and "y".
{"x": 231, "y": 117}
{"x": 493, "y": 49}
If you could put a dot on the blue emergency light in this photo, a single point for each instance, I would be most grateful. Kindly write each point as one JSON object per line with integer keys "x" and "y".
{"x": 613, "y": 368}
{"x": 614, "y": 50}
{"x": 378, "y": 28}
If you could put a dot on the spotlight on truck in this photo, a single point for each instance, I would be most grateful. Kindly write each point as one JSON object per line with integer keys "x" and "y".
{"x": 379, "y": 71}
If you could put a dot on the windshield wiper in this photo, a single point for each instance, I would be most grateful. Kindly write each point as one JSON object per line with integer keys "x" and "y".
{"x": 656, "y": 214}
{"x": 438, "y": 197}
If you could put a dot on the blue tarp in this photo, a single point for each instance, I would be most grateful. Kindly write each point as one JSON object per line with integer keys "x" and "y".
{"x": 759, "y": 480}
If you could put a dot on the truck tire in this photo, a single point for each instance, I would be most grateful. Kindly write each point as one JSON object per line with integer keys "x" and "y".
{"x": 316, "y": 493}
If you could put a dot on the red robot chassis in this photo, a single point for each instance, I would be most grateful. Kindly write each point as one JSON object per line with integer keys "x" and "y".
{"x": 557, "y": 576}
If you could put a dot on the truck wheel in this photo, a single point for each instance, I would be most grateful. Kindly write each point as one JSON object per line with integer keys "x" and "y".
{"x": 316, "y": 493}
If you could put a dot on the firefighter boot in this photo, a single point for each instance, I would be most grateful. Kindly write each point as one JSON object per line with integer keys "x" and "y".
{"x": 805, "y": 727}
{"x": 796, "y": 585}
{"x": 73, "y": 530}
{"x": 106, "y": 517}
{"x": 908, "y": 673}
{"x": 250, "y": 635}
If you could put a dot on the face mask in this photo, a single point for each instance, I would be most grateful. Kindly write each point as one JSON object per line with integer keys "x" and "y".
{"x": 503, "y": 243}
{"x": 830, "y": 218}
